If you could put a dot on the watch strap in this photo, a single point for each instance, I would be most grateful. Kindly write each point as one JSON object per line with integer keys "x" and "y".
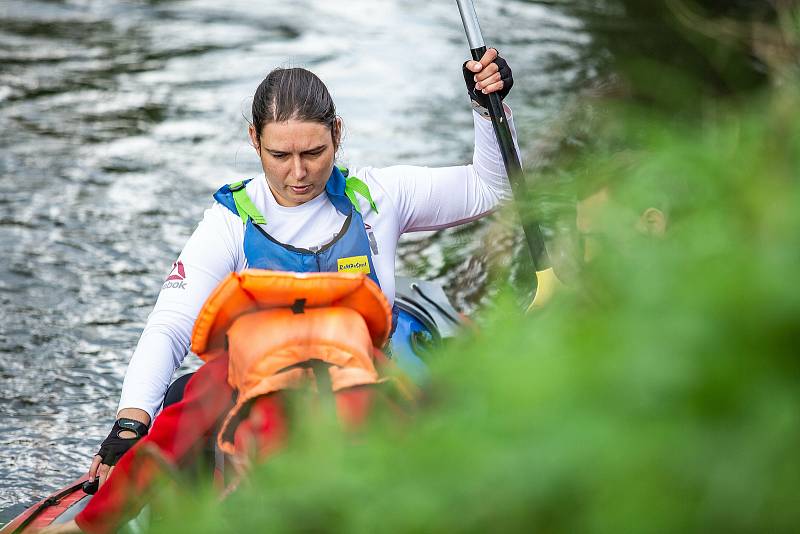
{"x": 132, "y": 425}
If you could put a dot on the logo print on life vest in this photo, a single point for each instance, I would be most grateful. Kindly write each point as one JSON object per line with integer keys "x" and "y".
{"x": 176, "y": 278}
{"x": 354, "y": 264}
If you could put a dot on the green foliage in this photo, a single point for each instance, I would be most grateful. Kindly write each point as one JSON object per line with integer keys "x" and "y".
{"x": 659, "y": 395}
{"x": 680, "y": 54}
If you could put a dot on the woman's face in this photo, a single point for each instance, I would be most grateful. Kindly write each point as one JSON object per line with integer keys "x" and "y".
{"x": 297, "y": 157}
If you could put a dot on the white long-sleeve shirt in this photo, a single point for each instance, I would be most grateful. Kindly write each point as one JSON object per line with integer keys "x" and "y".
{"x": 408, "y": 199}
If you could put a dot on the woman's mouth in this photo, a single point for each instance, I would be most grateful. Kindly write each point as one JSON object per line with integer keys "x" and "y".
{"x": 300, "y": 189}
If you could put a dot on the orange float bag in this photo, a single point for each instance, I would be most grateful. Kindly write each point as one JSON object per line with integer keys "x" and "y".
{"x": 274, "y": 324}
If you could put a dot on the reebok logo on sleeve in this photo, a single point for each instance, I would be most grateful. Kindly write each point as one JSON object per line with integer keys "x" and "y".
{"x": 176, "y": 278}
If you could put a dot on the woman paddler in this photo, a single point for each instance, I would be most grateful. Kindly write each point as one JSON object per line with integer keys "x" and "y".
{"x": 304, "y": 215}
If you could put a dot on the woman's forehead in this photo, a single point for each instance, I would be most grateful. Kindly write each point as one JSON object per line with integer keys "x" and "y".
{"x": 293, "y": 135}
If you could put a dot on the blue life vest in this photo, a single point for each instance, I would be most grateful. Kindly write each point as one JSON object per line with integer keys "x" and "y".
{"x": 348, "y": 252}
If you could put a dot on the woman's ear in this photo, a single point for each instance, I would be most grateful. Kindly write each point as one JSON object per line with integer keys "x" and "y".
{"x": 337, "y": 133}
{"x": 652, "y": 222}
{"x": 254, "y": 142}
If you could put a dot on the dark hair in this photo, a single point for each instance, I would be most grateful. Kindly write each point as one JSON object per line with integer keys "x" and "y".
{"x": 293, "y": 94}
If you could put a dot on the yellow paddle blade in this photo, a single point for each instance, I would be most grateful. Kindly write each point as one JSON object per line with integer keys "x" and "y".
{"x": 547, "y": 285}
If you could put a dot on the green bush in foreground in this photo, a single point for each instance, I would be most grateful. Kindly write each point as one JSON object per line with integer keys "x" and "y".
{"x": 661, "y": 395}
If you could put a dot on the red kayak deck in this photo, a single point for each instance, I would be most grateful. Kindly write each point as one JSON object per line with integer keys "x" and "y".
{"x": 48, "y": 510}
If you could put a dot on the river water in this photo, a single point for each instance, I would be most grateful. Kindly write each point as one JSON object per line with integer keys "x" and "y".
{"x": 118, "y": 119}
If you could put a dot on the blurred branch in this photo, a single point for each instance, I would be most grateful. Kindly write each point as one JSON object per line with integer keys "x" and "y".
{"x": 776, "y": 44}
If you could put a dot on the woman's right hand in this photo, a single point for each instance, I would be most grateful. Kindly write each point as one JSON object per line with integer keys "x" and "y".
{"x": 126, "y": 432}
{"x": 491, "y": 74}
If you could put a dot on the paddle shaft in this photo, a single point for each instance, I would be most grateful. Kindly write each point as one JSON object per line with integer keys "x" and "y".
{"x": 533, "y": 234}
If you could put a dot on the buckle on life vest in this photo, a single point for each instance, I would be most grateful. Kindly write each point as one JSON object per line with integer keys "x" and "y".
{"x": 236, "y": 187}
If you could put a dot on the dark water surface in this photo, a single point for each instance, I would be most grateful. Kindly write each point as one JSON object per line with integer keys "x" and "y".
{"x": 118, "y": 119}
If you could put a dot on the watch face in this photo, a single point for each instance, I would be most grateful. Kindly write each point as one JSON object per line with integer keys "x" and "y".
{"x": 131, "y": 425}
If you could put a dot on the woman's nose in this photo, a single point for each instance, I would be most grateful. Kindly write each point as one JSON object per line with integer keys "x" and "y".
{"x": 299, "y": 168}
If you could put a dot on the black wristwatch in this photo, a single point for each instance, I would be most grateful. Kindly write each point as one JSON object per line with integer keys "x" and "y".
{"x": 137, "y": 427}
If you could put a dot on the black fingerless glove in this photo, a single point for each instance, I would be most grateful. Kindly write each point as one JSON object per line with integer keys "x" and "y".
{"x": 113, "y": 447}
{"x": 505, "y": 75}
